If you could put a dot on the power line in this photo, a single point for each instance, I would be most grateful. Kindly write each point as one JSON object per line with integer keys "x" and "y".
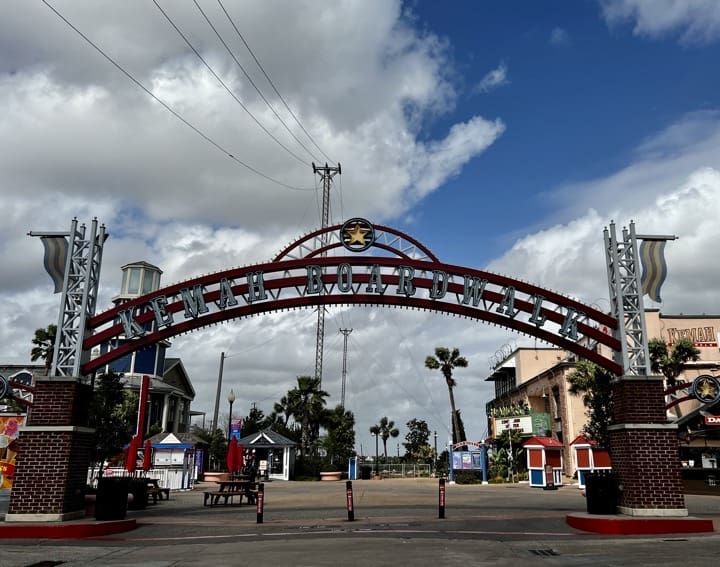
{"x": 249, "y": 78}
{"x": 272, "y": 84}
{"x": 228, "y": 89}
{"x": 169, "y": 108}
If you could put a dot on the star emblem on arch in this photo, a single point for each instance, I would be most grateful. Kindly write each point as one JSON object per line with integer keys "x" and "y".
{"x": 357, "y": 235}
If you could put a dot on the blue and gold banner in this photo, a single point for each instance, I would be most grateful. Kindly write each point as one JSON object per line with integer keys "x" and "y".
{"x": 654, "y": 268}
{"x": 56, "y": 250}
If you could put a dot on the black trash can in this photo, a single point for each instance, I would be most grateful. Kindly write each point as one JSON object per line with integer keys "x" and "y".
{"x": 139, "y": 489}
{"x": 111, "y": 500}
{"x": 365, "y": 472}
{"x": 601, "y": 493}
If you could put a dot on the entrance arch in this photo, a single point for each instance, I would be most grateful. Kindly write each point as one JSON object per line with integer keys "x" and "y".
{"x": 403, "y": 273}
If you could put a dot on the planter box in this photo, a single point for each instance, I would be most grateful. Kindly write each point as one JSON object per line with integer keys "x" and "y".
{"x": 213, "y": 476}
{"x": 331, "y": 475}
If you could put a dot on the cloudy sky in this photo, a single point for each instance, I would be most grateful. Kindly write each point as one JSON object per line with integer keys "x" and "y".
{"x": 503, "y": 135}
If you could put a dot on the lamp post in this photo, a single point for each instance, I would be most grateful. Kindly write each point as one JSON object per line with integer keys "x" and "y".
{"x": 377, "y": 470}
{"x": 230, "y": 399}
{"x": 435, "y": 453}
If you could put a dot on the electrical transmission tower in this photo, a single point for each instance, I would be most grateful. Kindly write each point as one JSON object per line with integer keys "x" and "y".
{"x": 345, "y": 333}
{"x": 326, "y": 174}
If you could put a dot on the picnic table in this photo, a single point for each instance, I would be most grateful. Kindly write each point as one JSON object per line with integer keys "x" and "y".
{"x": 229, "y": 489}
{"x": 156, "y": 491}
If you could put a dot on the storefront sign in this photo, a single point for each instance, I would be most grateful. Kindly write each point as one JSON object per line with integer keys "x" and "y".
{"x": 522, "y": 424}
{"x": 700, "y": 336}
{"x": 712, "y": 420}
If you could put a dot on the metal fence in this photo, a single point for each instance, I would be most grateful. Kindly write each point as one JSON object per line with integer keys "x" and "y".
{"x": 402, "y": 470}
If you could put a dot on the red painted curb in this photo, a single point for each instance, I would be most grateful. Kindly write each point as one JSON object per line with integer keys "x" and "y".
{"x": 634, "y": 525}
{"x": 66, "y": 530}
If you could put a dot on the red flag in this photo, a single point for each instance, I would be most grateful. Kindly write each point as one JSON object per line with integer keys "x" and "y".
{"x": 232, "y": 455}
{"x": 147, "y": 456}
{"x": 131, "y": 457}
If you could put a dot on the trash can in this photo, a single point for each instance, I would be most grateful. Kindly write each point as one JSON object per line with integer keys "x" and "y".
{"x": 139, "y": 489}
{"x": 601, "y": 493}
{"x": 112, "y": 498}
{"x": 365, "y": 472}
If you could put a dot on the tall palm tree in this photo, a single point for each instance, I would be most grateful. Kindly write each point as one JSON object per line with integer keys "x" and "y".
{"x": 307, "y": 404}
{"x": 447, "y": 360}
{"x": 44, "y": 348}
{"x": 282, "y": 408}
{"x": 385, "y": 429}
{"x": 671, "y": 362}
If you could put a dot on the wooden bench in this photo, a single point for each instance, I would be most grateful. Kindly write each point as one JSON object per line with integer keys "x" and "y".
{"x": 156, "y": 492}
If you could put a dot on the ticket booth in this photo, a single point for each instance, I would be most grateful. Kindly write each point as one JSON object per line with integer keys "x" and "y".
{"x": 588, "y": 457}
{"x": 544, "y": 461}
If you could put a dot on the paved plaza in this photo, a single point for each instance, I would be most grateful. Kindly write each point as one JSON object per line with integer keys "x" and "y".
{"x": 396, "y": 523}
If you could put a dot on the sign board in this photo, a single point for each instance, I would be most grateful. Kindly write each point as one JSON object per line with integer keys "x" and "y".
{"x": 712, "y": 420}
{"x": 535, "y": 424}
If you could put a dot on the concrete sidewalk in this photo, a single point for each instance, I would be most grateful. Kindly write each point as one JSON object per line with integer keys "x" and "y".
{"x": 396, "y": 522}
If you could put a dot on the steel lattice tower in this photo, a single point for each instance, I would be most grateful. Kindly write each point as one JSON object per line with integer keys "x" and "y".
{"x": 326, "y": 174}
{"x": 345, "y": 333}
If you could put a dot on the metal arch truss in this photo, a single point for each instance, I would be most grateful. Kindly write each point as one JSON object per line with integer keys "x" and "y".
{"x": 79, "y": 297}
{"x": 353, "y": 279}
{"x": 324, "y": 240}
{"x": 626, "y": 303}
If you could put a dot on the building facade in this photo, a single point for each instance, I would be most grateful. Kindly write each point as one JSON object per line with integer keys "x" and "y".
{"x": 532, "y": 392}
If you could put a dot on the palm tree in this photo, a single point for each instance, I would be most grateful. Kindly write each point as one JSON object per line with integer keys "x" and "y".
{"x": 307, "y": 404}
{"x": 44, "y": 348}
{"x": 671, "y": 362}
{"x": 385, "y": 429}
{"x": 447, "y": 360}
{"x": 282, "y": 409}
{"x": 594, "y": 384}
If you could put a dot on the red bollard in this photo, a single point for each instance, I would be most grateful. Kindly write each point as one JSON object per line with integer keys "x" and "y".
{"x": 441, "y": 499}
{"x": 260, "y": 502}
{"x": 349, "y": 494}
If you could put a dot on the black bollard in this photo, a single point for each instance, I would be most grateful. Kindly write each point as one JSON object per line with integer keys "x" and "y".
{"x": 260, "y": 502}
{"x": 350, "y": 507}
{"x": 441, "y": 499}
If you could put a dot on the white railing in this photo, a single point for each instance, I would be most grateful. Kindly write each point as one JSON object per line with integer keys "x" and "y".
{"x": 174, "y": 479}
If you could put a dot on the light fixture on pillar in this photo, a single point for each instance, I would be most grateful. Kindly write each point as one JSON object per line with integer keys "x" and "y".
{"x": 230, "y": 399}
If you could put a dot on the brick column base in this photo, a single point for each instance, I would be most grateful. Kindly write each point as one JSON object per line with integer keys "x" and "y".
{"x": 644, "y": 449}
{"x": 54, "y": 454}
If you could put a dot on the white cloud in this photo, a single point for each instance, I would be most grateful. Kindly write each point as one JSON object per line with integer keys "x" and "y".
{"x": 498, "y": 77}
{"x": 559, "y": 37}
{"x": 86, "y": 142}
{"x": 696, "y": 21}
{"x": 671, "y": 187}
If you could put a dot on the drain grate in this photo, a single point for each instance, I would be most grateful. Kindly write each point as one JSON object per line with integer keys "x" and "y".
{"x": 543, "y": 552}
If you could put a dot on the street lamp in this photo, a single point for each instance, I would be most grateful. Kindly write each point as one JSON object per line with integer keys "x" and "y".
{"x": 435, "y": 454}
{"x": 377, "y": 470}
{"x": 230, "y": 399}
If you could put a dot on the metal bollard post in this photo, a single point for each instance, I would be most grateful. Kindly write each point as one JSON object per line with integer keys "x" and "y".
{"x": 350, "y": 507}
{"x": 441, "y": 499}
{"x": 260, "y": 502}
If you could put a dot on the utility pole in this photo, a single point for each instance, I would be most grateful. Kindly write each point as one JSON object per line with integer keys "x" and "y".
{"x": 217, "y": 394}
{"x": 345, "y": 333}
{"x": 326, "y": 173}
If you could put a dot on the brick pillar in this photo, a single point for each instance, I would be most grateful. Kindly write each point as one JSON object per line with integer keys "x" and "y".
{"x": 54, "y": 454}
{"x": 644, "y": 449}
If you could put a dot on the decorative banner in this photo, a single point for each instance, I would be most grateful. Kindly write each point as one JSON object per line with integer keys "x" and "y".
{"x": 654, "y": 268}
{"x": 56, "y": 250}
{"x": 236, "y": 428}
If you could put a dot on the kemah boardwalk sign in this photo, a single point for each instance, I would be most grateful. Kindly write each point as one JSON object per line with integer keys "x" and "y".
{"x": 334, "y": 266}
{"x": 303, "y": 277}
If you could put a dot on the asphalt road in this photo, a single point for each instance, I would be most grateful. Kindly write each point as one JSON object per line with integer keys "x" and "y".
{"x": 396, "y": 523}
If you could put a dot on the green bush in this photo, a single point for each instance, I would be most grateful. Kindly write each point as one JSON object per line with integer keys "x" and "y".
{"x": 468, "y": 477}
